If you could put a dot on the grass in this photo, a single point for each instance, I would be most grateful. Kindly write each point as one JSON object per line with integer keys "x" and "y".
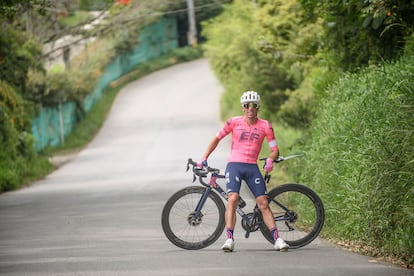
{"x": 78, "y": 18}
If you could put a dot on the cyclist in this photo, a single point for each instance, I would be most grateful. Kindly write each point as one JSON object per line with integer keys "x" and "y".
{"x": 248, "y": 132}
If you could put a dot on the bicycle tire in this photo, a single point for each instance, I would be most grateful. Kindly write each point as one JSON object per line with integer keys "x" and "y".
{"x": 176, "y": 214}
{"x": 307, "y": 208}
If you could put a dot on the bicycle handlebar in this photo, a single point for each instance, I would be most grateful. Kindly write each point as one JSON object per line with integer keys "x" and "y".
{"x": 281, "y": 158}
{"x": 278, "y": 160}
{"x": 204, "y": 171}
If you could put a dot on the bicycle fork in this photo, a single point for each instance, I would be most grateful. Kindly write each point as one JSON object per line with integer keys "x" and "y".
{"x": 195, "y": 217}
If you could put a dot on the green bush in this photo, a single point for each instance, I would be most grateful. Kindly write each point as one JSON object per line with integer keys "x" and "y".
{"x": 75, "y": 19}
{"x": 360, "y": 158}
{"x": 297, "y": 110}
{"x": 11, "y": 120}
{"x": 269, "y": 47}
{"x": 18, "y": 52}
{"x": 17, "y": 151}
{"x": 236, "y": 47}
{"x": 186, "y": 53}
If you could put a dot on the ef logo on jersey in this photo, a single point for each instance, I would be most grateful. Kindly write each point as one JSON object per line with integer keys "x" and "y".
{"x": 249, "y": 136}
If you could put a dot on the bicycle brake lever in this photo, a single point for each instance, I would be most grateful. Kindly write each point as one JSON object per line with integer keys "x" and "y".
{"x": 267, "y": 178}
{"x": 189, "y": 161}
{"x": 279, "y": 159}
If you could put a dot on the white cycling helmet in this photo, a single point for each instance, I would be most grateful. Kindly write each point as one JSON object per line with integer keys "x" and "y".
{"x": 250, "y": 96}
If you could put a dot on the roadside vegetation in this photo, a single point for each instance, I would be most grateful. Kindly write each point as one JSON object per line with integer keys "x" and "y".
{"x": 360, "y": 158}
{"x": 341, "y": 76}
{"x": 336, "y": 81}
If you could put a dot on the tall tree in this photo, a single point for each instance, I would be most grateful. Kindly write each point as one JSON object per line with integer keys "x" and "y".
{"x": 363, "y": 32}
{"x": 262, "y": 46}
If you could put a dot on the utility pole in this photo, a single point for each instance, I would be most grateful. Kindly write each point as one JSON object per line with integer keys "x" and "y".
{"x": 192, "y": 33}
{"x": 28, "y": 14}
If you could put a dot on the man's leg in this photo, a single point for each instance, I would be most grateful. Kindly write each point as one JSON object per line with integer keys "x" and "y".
{"x": 230, "y": 217}
{"x": 263, "y": 204}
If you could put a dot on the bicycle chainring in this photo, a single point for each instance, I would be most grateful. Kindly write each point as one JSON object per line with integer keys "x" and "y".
{"x": 253, "y": 225}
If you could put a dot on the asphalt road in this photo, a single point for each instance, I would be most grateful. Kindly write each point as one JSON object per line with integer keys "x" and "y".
{"x": 99, "y": 214}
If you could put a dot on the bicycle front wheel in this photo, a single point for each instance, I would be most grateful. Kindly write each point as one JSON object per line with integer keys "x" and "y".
{"x": 299, "y": 214}
{"x": 190, "y": 230}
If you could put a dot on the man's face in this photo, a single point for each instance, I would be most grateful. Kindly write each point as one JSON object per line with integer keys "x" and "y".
{"x": 250, "y": 109}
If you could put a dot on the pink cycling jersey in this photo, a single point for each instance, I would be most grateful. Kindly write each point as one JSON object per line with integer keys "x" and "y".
{"x": 247, "y": 140}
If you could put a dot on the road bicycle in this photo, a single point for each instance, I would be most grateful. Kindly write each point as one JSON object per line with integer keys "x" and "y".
{"x": 193, "y": 217}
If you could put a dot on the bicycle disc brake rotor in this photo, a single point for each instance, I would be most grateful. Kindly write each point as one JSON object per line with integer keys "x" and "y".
{"x": 194, "y": 220}
{"x": 254, "y": 226}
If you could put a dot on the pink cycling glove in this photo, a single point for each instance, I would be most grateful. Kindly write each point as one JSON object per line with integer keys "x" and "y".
{"x": 268, "y": 167}
{"x": 202, "y": 164}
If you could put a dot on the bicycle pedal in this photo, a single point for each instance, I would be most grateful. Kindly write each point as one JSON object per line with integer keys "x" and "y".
{"x": 247, "y": 235}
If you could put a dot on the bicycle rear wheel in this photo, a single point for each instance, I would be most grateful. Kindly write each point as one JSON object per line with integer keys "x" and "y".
{"x": 188, "y": 230}
{"x": 299, "y": 214}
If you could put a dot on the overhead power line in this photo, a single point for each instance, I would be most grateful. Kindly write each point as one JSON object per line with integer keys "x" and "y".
{"x": 129, "y": 19}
